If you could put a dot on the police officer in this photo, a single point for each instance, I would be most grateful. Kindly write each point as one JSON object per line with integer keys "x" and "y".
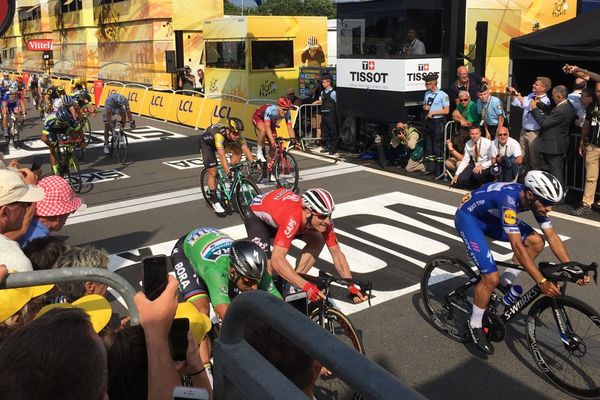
{"x": 328, "y": 103}
{"x": 436, "y": 107}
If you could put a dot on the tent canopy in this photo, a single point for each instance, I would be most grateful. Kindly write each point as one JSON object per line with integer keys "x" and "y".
{"x": 577, "y": 39}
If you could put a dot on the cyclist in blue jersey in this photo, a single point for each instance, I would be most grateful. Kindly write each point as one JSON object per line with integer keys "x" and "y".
{"x": 115, "y": 103}
{"x": 492, "y": 211}
{"x": 10, "y": 104}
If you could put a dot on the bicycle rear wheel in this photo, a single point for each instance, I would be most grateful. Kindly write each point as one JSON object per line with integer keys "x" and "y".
{"x": 330, "y": 386}
{"x": 286, "y": 172}
{"x": 572, "y": 363}
{"x": 16, "y": 132}
{"x": 87, "y": 130}
{"x": 448, "y": 313}
{"x": 207, "y": 194}
{"x": 73, "y": 173}
{"x": 121, "y": 146}
{"x": 245, "y": 191}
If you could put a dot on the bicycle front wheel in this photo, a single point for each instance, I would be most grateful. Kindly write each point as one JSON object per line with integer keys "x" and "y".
{"x": 286, "y": 172}
{"x": 448, "y": 302}
{"x": 245, "y": 192}
{"x": 121, "y": 146}
{"x": 73, "y": 174}
{"x": 16, "y": 132}
{"x": 207, "y": 193}
{"x": 87, "y": 130}
{"x": 329, "y": 386}
{"x": 571, "y": 361}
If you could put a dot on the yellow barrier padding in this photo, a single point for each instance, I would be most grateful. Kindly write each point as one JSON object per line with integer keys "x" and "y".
{"x": 156, "y": 104}
{"x": 135, "y": 95}
{"x": 107, "y": 90}
{"x": 185, "y": 109}
{"x": 218, "y": 110}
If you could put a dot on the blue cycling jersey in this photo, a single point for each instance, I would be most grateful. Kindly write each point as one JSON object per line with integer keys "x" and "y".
{"x": 272, "y": 114}
{"x": 111, "y": 102}
{"x": 492, "y": 211}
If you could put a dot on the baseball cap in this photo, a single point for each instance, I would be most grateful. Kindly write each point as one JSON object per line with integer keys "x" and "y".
{"x": 59, "y": 198}
{"x": 13, "y": 189}
{"x": 199, "y": 323}
{"x": 95, "y": 306}
{"x": 12, "y": 300}
{"x": 430, "y": 77}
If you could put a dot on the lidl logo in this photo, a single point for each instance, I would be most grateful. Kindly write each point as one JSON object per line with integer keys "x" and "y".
{"x": 510, "y": 217}
{"x": 423, "y": 67}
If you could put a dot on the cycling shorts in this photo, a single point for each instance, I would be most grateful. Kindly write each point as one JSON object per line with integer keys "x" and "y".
{"x": 256, "y": 120}
{"x": 109, "y": 112}
{"x": 473, "y": 233}
{"x": 11, "y": 106}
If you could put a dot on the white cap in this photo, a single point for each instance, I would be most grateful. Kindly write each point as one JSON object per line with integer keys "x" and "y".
{"x": 13, "y": 189}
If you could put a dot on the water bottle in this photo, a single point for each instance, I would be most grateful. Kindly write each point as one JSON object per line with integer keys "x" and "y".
{"x": 513, "y": 295}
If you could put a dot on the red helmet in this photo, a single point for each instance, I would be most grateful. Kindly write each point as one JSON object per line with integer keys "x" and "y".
{"x": 19, "y": 79}
{"x": 284, "y": 103}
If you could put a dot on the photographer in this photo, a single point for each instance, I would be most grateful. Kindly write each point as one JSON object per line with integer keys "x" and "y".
{"x": 507, "y": 157}
{"x": 411, "y": 138}
{"x": 185, "y": 79}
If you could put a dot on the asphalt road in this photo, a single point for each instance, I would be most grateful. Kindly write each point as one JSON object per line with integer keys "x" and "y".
{"x": 388, "y": 224}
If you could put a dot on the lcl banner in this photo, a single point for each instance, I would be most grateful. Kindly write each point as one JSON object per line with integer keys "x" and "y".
{"x": 39, "y": 44}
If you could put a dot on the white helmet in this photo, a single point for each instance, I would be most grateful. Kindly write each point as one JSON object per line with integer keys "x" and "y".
{"x": 319, "y": 201}
{"x": 544, "y": 186}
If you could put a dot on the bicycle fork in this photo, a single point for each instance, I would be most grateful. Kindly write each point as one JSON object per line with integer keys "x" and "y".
{"x": 571, "y": 341}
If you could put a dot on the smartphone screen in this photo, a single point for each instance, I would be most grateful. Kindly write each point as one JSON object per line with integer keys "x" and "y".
{"x": 37, "y": 163}
{"x": 187, "y": 393}
{"x": 154, "y": 276}
{"x": 178, "y": 338}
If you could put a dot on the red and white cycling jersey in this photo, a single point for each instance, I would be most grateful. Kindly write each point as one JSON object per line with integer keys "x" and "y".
{"x": 282, "y": 209}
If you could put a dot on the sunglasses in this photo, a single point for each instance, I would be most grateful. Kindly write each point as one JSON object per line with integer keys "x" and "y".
{"x": 464, "y": 100}
{"x": 321, "y": 217}
{"x": 501, "y": 134}
{"x": 245, "y": 281}
{"x": 544, "y": 202}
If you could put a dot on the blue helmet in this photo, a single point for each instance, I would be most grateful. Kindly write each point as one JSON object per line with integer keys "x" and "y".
{"x": 63, "y": 115}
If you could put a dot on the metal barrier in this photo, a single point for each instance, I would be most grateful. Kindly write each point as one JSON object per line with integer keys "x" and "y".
{"x": 241, "y": 373}
{"x": 449, "y": 131}
{"x": 575, "y": 166}
{"x": 189, "y": 92}
{"x": 62, "y": 275}
{"x": 309, "y": 124}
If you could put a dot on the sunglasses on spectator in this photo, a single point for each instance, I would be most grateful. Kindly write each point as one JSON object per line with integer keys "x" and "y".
{"x": 501, "y": 134}
{"x": 464, "y": 100}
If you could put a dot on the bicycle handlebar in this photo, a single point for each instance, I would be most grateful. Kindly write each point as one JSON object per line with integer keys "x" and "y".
{"x": 325, "y": 279}
{"x": 570, "y": 271}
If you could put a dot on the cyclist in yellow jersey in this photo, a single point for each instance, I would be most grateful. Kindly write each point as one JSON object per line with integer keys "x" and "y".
{"x": 219, "y": 139}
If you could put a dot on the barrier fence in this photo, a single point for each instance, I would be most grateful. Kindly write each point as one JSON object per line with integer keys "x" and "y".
{"x": 309, "y": 124}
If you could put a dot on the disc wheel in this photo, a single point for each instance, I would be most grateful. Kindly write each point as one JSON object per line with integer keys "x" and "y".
{"x": 121, "y": 146}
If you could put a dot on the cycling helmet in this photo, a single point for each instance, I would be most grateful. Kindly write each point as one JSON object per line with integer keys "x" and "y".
{"x": 60, "y": 90}
{"x": 120, "y": 100}
{"x": 318, "y": 201}
{"x": 235, "y": 124}
{"x": 63, "y": 115}
{"x": 67, "y": 100}
{"x": 19, "y": 79}
{"x": 247, "y": 259}
{"x": 545, "y": 186}
{"x": 284, "y": 103}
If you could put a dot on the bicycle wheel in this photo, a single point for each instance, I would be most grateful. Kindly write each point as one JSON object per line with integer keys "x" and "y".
{"x": 572, "y": 363}
{"x": 286, "y": 172}
{"x": 121, "y": 146}
{"x": 87, "y": 130}
{"x": 449, "y": 314}
{"x": 330, "y": 386}
{"x": 206, "y": 192}
{"x": 16, "y": 132}
{"x": 73, "y": 173}
{"x": 245, "y": 191}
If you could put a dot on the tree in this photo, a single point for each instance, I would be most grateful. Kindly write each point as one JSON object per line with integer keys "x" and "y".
{"x": 285, "y": 7}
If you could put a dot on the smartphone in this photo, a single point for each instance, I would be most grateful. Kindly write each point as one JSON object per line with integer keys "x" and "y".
{"x": 184, "y": 392}
{"x": 37, "y": 163}
{"x": 178, "y": 338}
{"x": 154, "y": 275}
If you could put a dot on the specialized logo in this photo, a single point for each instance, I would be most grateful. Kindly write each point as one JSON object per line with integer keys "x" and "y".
{"x": 509, "y": 217}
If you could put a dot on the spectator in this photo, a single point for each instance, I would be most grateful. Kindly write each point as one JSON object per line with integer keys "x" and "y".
{"x": 506, "y": 154}
{"x": 328, "y": 102}
{"x": 411, "y": 138}
{"x": 80, "y": 257}
{"x": 575, "y": 98}
{"x": 200, "y": 80}
{"x": 96, "y": 306}
{"x": 291, "y": 95}
{"x": 186, "y": 80}
{"x": 57, "y": 356}
{"x": 467, "y": 81}
{"x": 491, "y": 110}
{"x": 590, "y": 135}
{"x": 554, "y": 131}
{"x": 466, "y": 111}
{"x": 456, "y": 148}
{"x": 44, "y": 251}
{"x": 52, "y": 212}
{"x": 474, "y": 168}
{"x": 530, "y": 128}
{"x": 413, "y": 46}
{"x": 17, "y": 200}
{"x": 301, "y": 369}
{"x": 581, "y": 73}
{"x": 435, "y": 109}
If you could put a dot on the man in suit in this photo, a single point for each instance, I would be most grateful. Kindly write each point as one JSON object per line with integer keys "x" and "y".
{"x": 554, "y": 131}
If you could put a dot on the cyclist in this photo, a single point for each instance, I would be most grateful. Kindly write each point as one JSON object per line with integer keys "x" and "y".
{"x": 10, "y": 104}
{"x": 21, "y": 88}
{"x": 265, "y": 120}
{"x": 492, "y": 211}
{"x": 222, "y": 138}
{"x": 56, "y": 123}
{"x": 211, "y": 267}
{"x": 44, "y": 85}
{"x": 115, "y": 103}
{"x": 282, "y": 215}
{"x": 83, "y": 98}
{"x": 33, "y": 88}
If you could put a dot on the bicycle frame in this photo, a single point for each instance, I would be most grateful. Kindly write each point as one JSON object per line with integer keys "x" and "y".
{"x": 222, "y": 179}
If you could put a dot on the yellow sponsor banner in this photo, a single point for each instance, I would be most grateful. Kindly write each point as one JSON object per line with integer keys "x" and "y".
{"x": 185, "y": 109}
{"x": 156, "y": 104}
{"x": 107, "y": 90}
{"x": 219, "y": 110}
{"x": 135, "y": 95}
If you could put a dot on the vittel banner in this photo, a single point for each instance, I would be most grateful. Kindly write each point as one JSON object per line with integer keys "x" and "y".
{"x": 39, "y": 44}
{"x": 389, "y": 75}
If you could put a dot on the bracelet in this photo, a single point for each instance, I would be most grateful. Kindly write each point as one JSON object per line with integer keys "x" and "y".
{"x": 197, "y": 372}
{"x": 540, "y": 283}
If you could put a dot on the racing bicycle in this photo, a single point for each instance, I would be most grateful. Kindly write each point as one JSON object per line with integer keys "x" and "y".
{"x": 282, "y": 166}
{"x": 240, "y": 188}
{"x": 67, "y": 164}
{"x": 563, "y": 333}
{"x": 118, "y": 141}
{"x": 15, "y": 127}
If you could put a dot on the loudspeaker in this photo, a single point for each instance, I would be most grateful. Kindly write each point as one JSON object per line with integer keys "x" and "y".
{"x": 481, "y": 47}
{"x": 170, "y": 59}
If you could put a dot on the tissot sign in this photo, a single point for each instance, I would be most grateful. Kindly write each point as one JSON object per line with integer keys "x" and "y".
{"x": 391, "y": 75}
{"x": 39, "y": 44}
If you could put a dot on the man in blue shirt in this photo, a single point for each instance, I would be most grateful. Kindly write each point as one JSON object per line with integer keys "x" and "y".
{"x": 436, "y": 106}
{"x": 491, "y": 110}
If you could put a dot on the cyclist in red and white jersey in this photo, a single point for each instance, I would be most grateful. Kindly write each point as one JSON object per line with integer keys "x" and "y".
{"x": 282, "y": 215}
{"x": 265, "y": 120}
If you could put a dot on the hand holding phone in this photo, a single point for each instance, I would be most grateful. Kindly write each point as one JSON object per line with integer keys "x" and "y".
{"x": 178, "y": 342}
{"x": 154, "y": 276}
